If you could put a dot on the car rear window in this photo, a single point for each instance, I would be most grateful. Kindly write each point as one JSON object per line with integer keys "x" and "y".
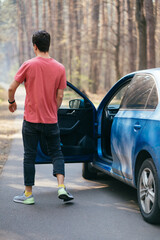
{"x": 141, "y": 93}
{"x": 153, "y": 99}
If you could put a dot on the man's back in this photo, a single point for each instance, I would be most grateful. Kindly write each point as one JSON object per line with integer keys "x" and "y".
{"x": 43, "y": 76}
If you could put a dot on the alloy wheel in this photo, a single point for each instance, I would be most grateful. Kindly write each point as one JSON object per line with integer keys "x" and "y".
{"x": 147, "y": 190}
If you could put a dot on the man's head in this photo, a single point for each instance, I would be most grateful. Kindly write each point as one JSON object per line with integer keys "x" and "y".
{"x": 42, "y": 40}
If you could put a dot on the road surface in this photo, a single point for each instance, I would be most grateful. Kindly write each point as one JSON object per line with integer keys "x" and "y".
{"x": 104, "y": 209}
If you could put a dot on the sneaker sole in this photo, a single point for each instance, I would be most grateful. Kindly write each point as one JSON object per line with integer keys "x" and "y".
{"x": 26, "y": 202}
{"x": 65, "y": 198}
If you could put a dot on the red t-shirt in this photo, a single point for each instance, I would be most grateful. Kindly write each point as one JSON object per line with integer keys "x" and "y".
{"x": 42, "y": 78}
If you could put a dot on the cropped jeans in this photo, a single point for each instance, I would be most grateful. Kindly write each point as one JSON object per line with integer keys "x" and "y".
{"x": 31, "y": 133}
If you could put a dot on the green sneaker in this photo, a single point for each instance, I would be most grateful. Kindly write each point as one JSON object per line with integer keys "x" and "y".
{"x": 23, "y": 199}
{"x": 64, "y": 195}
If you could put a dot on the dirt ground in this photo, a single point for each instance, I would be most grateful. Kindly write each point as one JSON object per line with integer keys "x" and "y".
{"x": 7, "y": 128}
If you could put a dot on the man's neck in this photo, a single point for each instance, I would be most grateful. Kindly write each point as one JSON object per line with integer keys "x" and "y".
{"x": 43, "y": 54}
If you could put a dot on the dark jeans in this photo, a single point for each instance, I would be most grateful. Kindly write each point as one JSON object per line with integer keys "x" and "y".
{"x": 31, "y": 134}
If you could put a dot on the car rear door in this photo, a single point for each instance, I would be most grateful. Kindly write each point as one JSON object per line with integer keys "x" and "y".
{"x": 76, "y": 118}
{"x": 129, "y": 122}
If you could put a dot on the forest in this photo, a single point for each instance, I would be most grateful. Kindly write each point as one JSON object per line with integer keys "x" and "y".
{"x": 98, "y": 41}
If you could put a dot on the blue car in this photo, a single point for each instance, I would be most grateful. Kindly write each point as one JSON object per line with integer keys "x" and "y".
{"x": 120, "y": 138}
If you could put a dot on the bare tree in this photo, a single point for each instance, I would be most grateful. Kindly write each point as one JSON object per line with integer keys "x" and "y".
{"x": 77, "y": 21}
{"x": 59, "y": 27}
{"x": 105, "y": 30}
{"x": 94, "y": 68}
{"x": 131, "y": 38}
{"x": 142, "y": 34}
{"x": 51, "y": 24}
{"x": 37, "y": 14}
{"x": 28, "y": 21}
{"x": 44, "y": 15}
{"x": 20, "y": 31}
{"x": 117, "y": 46}
{"x": 71, "y": 24}
{"x": 150, "y": 18}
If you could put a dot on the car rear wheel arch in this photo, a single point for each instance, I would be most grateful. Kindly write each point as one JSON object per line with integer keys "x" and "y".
{"x": 141, "y": 157}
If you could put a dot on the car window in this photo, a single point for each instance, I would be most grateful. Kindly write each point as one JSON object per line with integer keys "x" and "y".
{"x": 153, "y": 98}
{"x": 116, "y": 100}
{"x": 139, "y": 92}
{"x": 69, "y": 95}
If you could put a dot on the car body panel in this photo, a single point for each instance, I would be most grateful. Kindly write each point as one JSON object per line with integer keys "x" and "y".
{"x": 127, "y": 127}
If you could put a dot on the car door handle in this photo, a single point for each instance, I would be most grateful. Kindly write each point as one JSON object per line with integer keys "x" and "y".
{"x": 137, "y": 127}
{"x": 71, "y": 113}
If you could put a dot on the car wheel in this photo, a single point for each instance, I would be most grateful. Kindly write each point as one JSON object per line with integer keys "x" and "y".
{"x": 147, "y": 192}
{"x": 88, "y": 172}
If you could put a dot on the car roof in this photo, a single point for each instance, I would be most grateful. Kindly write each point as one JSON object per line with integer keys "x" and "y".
{"x": 151, "y": 71}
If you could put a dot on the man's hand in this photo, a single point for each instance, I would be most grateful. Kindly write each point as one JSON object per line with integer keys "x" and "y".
{"x": 11, "y": 91}
{"x": 12, "y": 107}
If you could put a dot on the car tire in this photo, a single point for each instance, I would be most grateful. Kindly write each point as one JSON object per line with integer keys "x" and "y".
{"x": 88, "y": 172}
{"x": 147, "y": 192}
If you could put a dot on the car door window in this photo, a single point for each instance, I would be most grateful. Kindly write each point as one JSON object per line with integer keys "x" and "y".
{"x": 76, "y": 124}
{"x": 116, "y": 100}
{"x": 70, "y": 95}
{"x": 139, "y": 92}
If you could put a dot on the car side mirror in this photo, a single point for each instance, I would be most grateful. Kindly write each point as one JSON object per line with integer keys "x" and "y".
{"x": 76, "y": 103}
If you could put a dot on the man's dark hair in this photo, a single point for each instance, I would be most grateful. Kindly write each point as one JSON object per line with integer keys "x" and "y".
{"x": 42, "y": 40}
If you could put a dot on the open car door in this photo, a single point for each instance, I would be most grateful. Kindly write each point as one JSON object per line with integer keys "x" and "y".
{"x": 76, "y": 118}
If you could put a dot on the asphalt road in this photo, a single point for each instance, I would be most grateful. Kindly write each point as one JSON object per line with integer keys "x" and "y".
{"x": 104, "y": 209}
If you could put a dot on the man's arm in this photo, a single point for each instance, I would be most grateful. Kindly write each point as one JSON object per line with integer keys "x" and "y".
{"x": 59, "y": 97}
{"x": 11, "y": 92}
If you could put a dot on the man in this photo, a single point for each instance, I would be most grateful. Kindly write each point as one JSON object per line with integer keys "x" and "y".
{"x": 45, "y": 81}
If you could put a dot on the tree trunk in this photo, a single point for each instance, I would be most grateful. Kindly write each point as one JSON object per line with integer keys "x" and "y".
{"x": 142, "y": 36}
{"x": 37, "y": 15}
{"x": 94, "y": 68}
{"x": 150, "y": 19}
{"x": 105, "y": 29}
{"x": 70, "y": 39}
{"x": 132, "y": 64}
{"x": 29, "y": 24}
{"x": 44, "y": 15}
{"x": 60, "y": 30}
{"x": 77, "y": 21}
{"x": 20, "y": 33}
{"x": 51, "y": 25}
{"x": 117, "y": 50}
